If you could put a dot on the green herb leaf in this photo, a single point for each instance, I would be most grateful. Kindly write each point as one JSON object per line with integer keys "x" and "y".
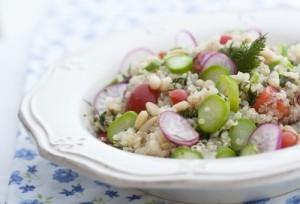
{"x": 103, "y": 121}
{"x": 251, "y": 97}
{"x": 153, "y": 66}
{"x": 246, "y": 56}
{"x": 283, "y": 80}
{"x": 284, "y": 50}
{"x": 204, "y": 135}
{"x": 189, "y": 113}
{"x": 102, "y": 118}
{"x": 181, "y": 80}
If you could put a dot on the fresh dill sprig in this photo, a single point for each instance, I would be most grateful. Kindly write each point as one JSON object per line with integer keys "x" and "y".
{"x": 246, "y": 56}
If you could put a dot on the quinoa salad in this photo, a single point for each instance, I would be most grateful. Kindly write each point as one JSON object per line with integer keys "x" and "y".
{"x": 233, "y": 95}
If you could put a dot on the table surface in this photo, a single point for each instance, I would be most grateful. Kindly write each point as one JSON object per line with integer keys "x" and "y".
{"x": 16, "y": 25}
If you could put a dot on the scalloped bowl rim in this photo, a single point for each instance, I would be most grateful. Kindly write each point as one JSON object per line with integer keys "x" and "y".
{"x": 86, "y": 154}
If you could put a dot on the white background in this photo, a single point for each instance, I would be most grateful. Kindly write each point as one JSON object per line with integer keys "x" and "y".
{"x": 17, "y": 20}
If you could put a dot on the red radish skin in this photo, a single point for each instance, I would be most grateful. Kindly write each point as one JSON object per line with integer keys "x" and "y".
{"x": 200, "y": 59}
{"x": 140, "y": 96}
{"x": 177, "y": 129}
{"x": 204, "y": 60}
{"x": 185, "y": 39}
{"x": 224, "y": 39}
{"x": 134, "y": 57}
{"x": 267, "y": 137}
{"x": 222, "y": 60}
{"x": 112, "y": 91}
{"x": 177, "y": 95}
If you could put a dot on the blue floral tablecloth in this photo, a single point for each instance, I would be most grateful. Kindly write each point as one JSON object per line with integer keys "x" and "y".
{"x": 67, "y": 26}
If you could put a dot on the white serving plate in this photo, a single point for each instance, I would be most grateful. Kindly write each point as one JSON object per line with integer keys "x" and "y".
{"x": 53, "y": 113}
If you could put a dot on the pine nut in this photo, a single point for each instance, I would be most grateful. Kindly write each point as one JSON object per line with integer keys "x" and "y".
{"x": 152, "y": 108}
{"x": 181, "y": 106}
{"x": 165, "y": 84}
{"x": 269, "y": 55}
{"x": 199, "y": 82}
{"x": 141, "y": 119}
{"x": 147, "y": 125}
{"x": 154, "y": 82}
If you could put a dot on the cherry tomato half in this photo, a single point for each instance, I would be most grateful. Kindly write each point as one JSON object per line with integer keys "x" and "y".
{"x": 177, "y": 95}
{"x": 288, "y": 139}
{"x": 140, "y": 96}
{"x": 224, "y": 39}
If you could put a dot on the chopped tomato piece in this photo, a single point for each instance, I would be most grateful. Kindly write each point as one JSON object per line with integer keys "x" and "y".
{"x": 288, "y": 139}
{"x": 177, "y": 95}
{"x": 266, "y": 98}
{"x": 224, "y": 39}
{"x": 282, "y": 108}
{"x": 140, "y": 96}
{"x": 161, "y": 55}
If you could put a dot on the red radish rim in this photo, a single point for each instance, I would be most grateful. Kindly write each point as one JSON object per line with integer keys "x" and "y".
{"x": 187, "y": 33}
{"x": 101, "y": 91}
{"x": 232, "y": 68}
{"x": 201, "y": 58}
{"x": 206, "y": 57}
{"x": 187, "y": 142}
{"x": 133, "y": 51}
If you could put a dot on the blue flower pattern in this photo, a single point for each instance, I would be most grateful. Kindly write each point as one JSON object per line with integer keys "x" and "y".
{"x": 31, "y": 169}
{"x": 133, "y": 197}
{"x": 112, "y": 194}
{"x": 293, "y": 200}
{"x": 26, "y": 154}
{"x": 15, "y": 178}
{"x": 73, "y": 24}
{"x": 64, "y": 175}
{"x": 67, "y": 192}
{"x": 27, "y": 188}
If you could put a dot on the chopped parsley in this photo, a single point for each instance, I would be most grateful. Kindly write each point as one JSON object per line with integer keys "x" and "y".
{"x": 181, "y": 80}
{"x": 102, "y": 121}
{"x": 189, "y": 113}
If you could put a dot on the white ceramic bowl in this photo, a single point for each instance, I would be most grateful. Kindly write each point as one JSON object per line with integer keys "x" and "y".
{"x": 53, "y": 113}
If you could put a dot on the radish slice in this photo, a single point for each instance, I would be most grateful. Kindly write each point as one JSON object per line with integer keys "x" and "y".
{"x": 267, "y": 137}
{"x": 204, "y": 60}
{"x": 222, "y": 60}
{"x": 177, "y": 129}
{"x": 134, "y": 57}
{"x": 103, "y": 97}
{"x": 185, "y": 39}
{"x": 200, "y": 60}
